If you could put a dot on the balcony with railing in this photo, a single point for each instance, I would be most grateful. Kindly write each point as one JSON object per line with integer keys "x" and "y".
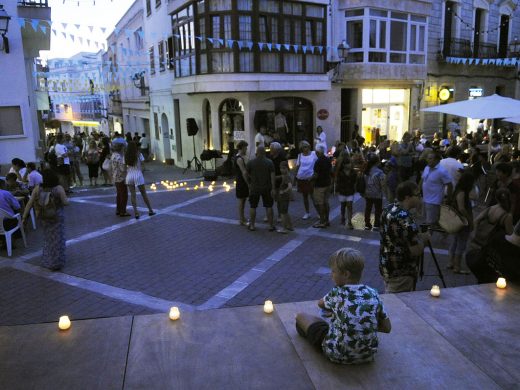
{"x": 37, "y": 39}
{"x": 464, "y": 48}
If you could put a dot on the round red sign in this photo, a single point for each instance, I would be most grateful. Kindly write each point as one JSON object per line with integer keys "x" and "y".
{"x": 322, "y": 114}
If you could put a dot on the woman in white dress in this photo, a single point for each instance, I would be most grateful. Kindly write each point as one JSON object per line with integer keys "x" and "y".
{"x": 135, "y": 178}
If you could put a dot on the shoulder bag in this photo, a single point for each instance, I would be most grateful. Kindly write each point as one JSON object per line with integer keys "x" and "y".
{"x": 450, "y": 219}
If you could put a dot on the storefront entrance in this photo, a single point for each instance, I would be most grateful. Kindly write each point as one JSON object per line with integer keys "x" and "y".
{"x": 385, "y": 114}
{"x": 287, "y": 120}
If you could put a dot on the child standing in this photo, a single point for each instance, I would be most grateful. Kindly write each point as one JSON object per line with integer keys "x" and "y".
{"x": 284, "y": 197}
{"x": 355, "y": 310}
{"x": 346, "y": 178}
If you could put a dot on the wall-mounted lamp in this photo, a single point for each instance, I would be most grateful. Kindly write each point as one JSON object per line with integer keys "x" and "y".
{"x": 343, "y": 49}
{"x": 4, "y": 26}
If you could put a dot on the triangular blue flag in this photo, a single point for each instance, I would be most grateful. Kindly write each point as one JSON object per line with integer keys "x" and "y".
{"x": 103, "y": 29}
{"x": 210, "y": 40}
{"x": 320, "y": 49}
{"x": 54, "y": 31}
{"x": 64, "y": 25}
{"x": 176, "y": 35}
{"x": 198, "y": 38}
{"x": 304, "y": 49}
{"x": 295, "y": 47}
{"x": 34, "y": 24}
{"x": 269, "y": 46}
{"x": 91, "y": 28}
{"x": 72, "y": 37}
{"x": 240, "y": 44}
{"x": 221, "y": 41}
{"x": 277, "y": 46}
{"x": 260, "y": 45}
{"x": 21, "y": 22}
{"x": 77, "y": 26}
{"x": 249, "y": 45}
{"x": 64, "y": 35}
{"x": 230, "y": 43}
{"x": 43, "y": 28}
{"x": 287, "y": 46}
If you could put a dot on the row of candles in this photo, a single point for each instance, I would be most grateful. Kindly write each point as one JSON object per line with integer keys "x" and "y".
{"x": 173, "y": 185}
{"x": 436, "y": 290}
{"x": 174, "y": 314}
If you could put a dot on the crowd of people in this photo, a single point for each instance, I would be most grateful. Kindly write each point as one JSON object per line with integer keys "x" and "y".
{"x": 119, "y": 161}
{"x": 403, "y": 184}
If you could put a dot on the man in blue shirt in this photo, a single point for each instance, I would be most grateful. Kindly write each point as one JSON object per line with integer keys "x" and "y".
{"x": 10, "y": 205}
{"x": 434, "y": 180}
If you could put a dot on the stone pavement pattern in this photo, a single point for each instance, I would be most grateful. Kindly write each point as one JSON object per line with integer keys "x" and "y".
{"x": 192, "y": 254}
{"x": 430, "y": 346}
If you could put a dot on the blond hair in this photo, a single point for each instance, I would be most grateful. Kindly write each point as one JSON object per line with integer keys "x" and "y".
{"x": 348, "y": 260}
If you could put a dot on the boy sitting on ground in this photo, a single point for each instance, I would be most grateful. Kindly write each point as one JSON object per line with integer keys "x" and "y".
{"x": 355, "y": 310}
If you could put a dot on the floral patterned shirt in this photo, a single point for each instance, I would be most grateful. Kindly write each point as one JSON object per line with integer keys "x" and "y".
{"x": 118, "y": 168}
{"x": 398, "y": 232}
{"x": 352, "y": 335}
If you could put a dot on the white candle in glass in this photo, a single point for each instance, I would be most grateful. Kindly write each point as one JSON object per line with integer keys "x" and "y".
{"x": 435, "y": 291}
{"x": 501, "y": 283}
{"x": 268, "y": 307}
{"x": 64, "y": 323}
{"x": 175, "y": 314}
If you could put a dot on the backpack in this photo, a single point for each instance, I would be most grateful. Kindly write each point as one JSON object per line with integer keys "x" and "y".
{"x": 47, "y": 205}
{"x": 361, "y": 184}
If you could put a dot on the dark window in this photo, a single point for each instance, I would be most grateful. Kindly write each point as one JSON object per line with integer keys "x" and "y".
{"x": 157, "y": 3}
{"x": 169, "y": 54}
{"x": 148, "y": 7}
{"x": 162, "y": 62}
{"x": 11, "y": 121}
{"x": 152, "y": 60}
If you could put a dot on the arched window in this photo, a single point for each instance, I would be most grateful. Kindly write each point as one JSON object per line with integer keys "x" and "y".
{"x": 231, "y": 116}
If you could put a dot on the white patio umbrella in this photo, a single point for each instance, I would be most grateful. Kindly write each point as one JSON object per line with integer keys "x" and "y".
{"x": 488, "y": 107}
{"x": 514, "y": 119}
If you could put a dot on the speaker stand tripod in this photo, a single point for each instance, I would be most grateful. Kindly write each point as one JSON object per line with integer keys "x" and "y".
{"x": 195, "y": 161}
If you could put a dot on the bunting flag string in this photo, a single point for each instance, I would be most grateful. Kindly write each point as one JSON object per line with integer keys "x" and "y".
{"x": 44, "y": 25}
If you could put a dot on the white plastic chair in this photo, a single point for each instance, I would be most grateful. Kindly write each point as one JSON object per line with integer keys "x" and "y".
{"x": 33, "y": 218}
{"x": 8, "y": 234}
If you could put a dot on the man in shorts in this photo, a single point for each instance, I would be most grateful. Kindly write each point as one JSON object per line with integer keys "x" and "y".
{"x": 261, "y": 185}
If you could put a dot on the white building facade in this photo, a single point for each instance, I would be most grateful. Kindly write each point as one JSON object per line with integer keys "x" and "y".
{"x": 21, "y": 127}
{"x": 129, "y": 87}
{"x": 233, "y": 67}
{"x": 76, "y": 87}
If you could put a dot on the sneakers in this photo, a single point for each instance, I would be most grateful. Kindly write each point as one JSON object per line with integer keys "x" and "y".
{"x": 282, "y": 231}
{"x": 368, "y": 227}
{"x": 306, "y": 216}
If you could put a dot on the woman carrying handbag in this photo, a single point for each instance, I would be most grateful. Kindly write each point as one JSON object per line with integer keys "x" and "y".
{"x": 462, "y": 203}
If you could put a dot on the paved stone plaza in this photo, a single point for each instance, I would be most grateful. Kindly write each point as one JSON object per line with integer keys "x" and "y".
{"x": 192, "y": 254}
